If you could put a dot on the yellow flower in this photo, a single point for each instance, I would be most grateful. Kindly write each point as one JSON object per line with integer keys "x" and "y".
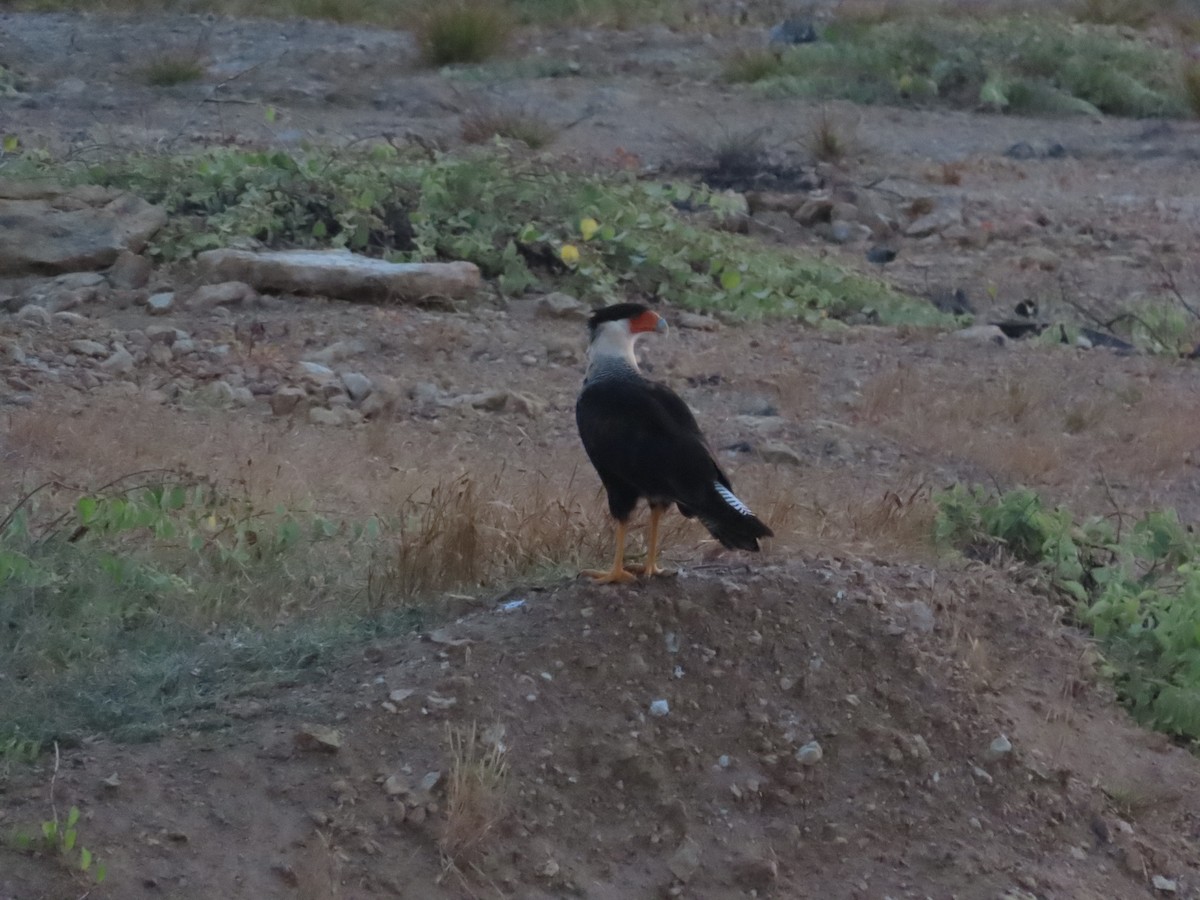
{"x": 588, "y": 227}
{"x": 569, "y": 254}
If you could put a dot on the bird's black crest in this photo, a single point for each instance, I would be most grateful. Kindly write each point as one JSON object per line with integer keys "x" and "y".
{"x": 615, "y": 313}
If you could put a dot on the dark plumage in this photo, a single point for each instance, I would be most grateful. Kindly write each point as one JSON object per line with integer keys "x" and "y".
{"x": 645, "y": 443}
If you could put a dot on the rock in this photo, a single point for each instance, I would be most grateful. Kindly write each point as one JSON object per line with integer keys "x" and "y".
{"x": 285, "y": 400}
{"x": 339, "y": 273}
{"x": 120, "y": 363}
{"x": 561, "y": 349}
{"x": 918, "y": 616}
{"x": 130, "y": 272}
{"x": 87, "y": 348}
{"x": 1040, "y": 258}
{"x": 341, "y": 415}
{"x": 72, "y": 230}
{"x": 1166, "y": 885}
{"x": 337, "y": 351}
{"x": 982, "y": 334}
{"x": 319, "y": 737}
{"x": 161, "y": 303}
{"x": 525, "y": 404}
{"x": 228, "y": 293}
{"x": 697, "y": 322}
{"x": 660, "y": 708}
{"x": 11, "y": 352}
{"x": 489, "y": 401}
{"x": 685, "y": 860}
{"x": 945, "y": 213}
{"x": 810, "y": 754}
{"x": 780, "y": 454}
{"x": 998, "y": 749}
{"x": 222, "y": 393}
{"x": 563, "y": 306}
{"x": 396, "y": 785}
{"x": 34, "y": 314}
{"x": 772, "y": 201}
{"x": 790, "y": 32}
{"x": 814, "y": 212}
{"x": 756, "y": 873}
{"x": 317, "y": 371}
{"x": 357, "y": 385}
{"x": 161, "y": 354}
{"x": 426, "y": 393}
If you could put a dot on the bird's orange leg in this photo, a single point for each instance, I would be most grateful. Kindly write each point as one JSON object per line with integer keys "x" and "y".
{"x": 651, "y": 567}
{"x": 618, "y": 574}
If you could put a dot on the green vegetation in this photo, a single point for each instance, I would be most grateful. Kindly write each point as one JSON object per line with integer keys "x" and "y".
{"x": 60, "y": 840}
{"x": 531, "y": 130}
{"x": 513, "y": 218}
{"x": 1027, "y": 65}
{"x": 1135, "y": 585}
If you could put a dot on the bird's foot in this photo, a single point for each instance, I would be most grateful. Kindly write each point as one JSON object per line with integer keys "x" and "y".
{"x": 651, "y": 571}
{"x": 609, "y": 576}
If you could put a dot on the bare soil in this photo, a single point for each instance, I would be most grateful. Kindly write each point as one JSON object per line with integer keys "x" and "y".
{"x": 848, "y": 631}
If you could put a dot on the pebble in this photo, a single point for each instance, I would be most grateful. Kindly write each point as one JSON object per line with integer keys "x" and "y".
{"x": 999, "y": 748}
{"x": 161, "y": 303}
{"x": 120, "y": 363}
{"x": 33, "y": 314}
{"x": 810, "y": 754}
{"x": 88, "y": 348}
{"x": 1166, "y": 885}
{"x": 659, "y": 708}
{"x": 357, "y": 385}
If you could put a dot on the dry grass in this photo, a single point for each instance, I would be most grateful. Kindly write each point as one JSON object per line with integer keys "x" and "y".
{"x": 463, "y": 32}
{"x": 531, "y": 130}
{"x": 748, "y": 66}
{"x": 172, "y": 68}
{"x": 830, "y": 138}
{"x": 476, "y": 792}
{"x": 1191, "y": 85}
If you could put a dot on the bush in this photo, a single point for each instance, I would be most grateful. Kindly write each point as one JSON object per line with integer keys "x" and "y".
{"x": 463, "y": 31}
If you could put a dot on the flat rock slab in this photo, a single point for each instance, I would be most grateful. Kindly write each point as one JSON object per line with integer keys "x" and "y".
{"x": 46, "y": 230}
{"x": 342, "y": 274}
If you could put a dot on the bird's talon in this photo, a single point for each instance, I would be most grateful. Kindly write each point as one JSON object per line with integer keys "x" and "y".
{"x": 650, "y": 572}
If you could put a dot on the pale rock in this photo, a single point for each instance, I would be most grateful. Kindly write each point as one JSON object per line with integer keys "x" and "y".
{"x": 780, "y": 454}
{"x": 697, "y": 322}
{"x": 810, "y": 754}
{"x": 161, "y": 354}
{"x": 285, "y": 400}
{"x": 525, "y": 404}
{"x": 945, "y": 214}
{"x": 130, "y": 272}
{"x": 87, "y": 348}
{"x": 72, "y": 230}
{"x": 1040, "y": 258}
{"x": 33, "y": 314}
{"x": 563, "y": 306}
{"x": 337, "y": 351}
{"x": 982, "y": 334}
{"x": 319, "y": 737}
{"x": 165, "y": 334}
{"x": 120, "y": 363}
{"x": 317, "y": 371}
{"x": 357, "y": 385}
{"x": 774, "y": 201}
{"x": 340, "y": 416}
{"x": 228, "y": 293}
{"x": 685, "y": 860}
{"x": 340, "y": 273}
{"x": 161, "y": 303}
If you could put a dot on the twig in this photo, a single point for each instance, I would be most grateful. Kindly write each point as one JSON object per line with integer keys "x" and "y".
{"x": 53, "y": 783}
{"x": 1174, "y": 289}
{"x": 1113, "y": 500}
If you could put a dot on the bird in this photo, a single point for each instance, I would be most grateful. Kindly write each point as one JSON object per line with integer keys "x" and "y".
{"x": 644, "y": 443}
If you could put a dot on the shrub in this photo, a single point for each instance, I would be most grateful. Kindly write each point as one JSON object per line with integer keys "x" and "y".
{"x": 463, "y": 31}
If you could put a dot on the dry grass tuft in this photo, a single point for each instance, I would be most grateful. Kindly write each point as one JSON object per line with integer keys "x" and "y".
{"x": 748, "y": 66}
{"x": 463, "y": 32}
{"x": 1191, "y": 85}
{"x": 476, "y": 792}
{"x": 531, "y": 130}
{"x": 830, "y": 139}
{"x": 1130, "y": 13}
{"x": 172, "y": 68}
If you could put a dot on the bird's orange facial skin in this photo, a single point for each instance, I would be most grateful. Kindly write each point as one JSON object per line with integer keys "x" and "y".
{"x": 647, "y": 321}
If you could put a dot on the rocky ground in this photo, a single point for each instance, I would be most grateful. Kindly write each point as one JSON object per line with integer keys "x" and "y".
{"x": 846, "y": 716}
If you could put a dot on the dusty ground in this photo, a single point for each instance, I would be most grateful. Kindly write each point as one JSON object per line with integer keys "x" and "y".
{"x": 846, "y": 631}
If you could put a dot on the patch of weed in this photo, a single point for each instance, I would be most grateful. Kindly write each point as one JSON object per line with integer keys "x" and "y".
{"x": 531, "y": 130}
{"x": 1020, "y": 64}
{"x": 829, "y": 140}
{"x": 1136, "y": 585}
{"x": 171, "y": 69}
{"x": 516, "y": 219}
{"x": 748, "y": 66}
{"x": 463, "y": 32}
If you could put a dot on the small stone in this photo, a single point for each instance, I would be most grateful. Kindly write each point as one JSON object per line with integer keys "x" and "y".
{"x": 780, "y": 454}
{"x": 319, "y": 737}
{"x": 342, "y": 415}
{"x": 441, "y": 702}
{"x": 112, "y": 782}
{"x": 525, "y": 404}
{"x": 1166, "y": 885}
{"x": 285, "y": 400}
{"x": 756, "y": 874}
{"x": 697, "y": 322}
{"x": 562, "y": 306}
{"x": 999, "y": 748}
{"x": 723, "y": 761}
{"x": 130, "y": 272}
{"x": 429, "y": 781}
{"x": 1040, "y": 258}
{"x": 810, "y": 754}
{"x": 685, "y": 860}
{"x": 33, "y": 314}
{"x": 396, "y": 785}
{"x": 337, "y": 351}
{"x": 161, "y": 303}
{"x": 227, "y": 293}
{"x": 982, "y": 334}
{"x": 401, "y": 694}
{"x": 120, "y": 363}
{"x": 549, "y": 869}
{"x": 659, "y": 708}
{"x": 87, "y": 348}
{"x": 357, "y": 385}
{"x": 318, "y": 371}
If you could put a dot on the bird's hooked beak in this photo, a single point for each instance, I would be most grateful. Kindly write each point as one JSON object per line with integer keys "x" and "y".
{"x": 647, "y": 322}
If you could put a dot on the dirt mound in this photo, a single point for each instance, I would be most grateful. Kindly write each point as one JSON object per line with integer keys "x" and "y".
{"x": 831, "y": 728}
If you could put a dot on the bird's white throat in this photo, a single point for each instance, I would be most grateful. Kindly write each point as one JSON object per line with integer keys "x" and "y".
{"x": 611, "y": 347}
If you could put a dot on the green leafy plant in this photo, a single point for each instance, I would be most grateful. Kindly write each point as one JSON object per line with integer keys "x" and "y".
{"x": 510, "y": 216}
{"x": 61, "y": 839}
{"x": 1137, "y": 589}
{"x": 171, "y": 69}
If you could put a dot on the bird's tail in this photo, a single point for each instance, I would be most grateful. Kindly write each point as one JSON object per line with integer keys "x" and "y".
{"x": 730, "y": 521}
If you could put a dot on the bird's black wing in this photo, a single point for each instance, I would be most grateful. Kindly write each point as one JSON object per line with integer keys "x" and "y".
{"x": 641, "y": 437}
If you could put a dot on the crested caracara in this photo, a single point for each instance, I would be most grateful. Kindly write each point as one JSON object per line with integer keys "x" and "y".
{"x": 644, "y": 442}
